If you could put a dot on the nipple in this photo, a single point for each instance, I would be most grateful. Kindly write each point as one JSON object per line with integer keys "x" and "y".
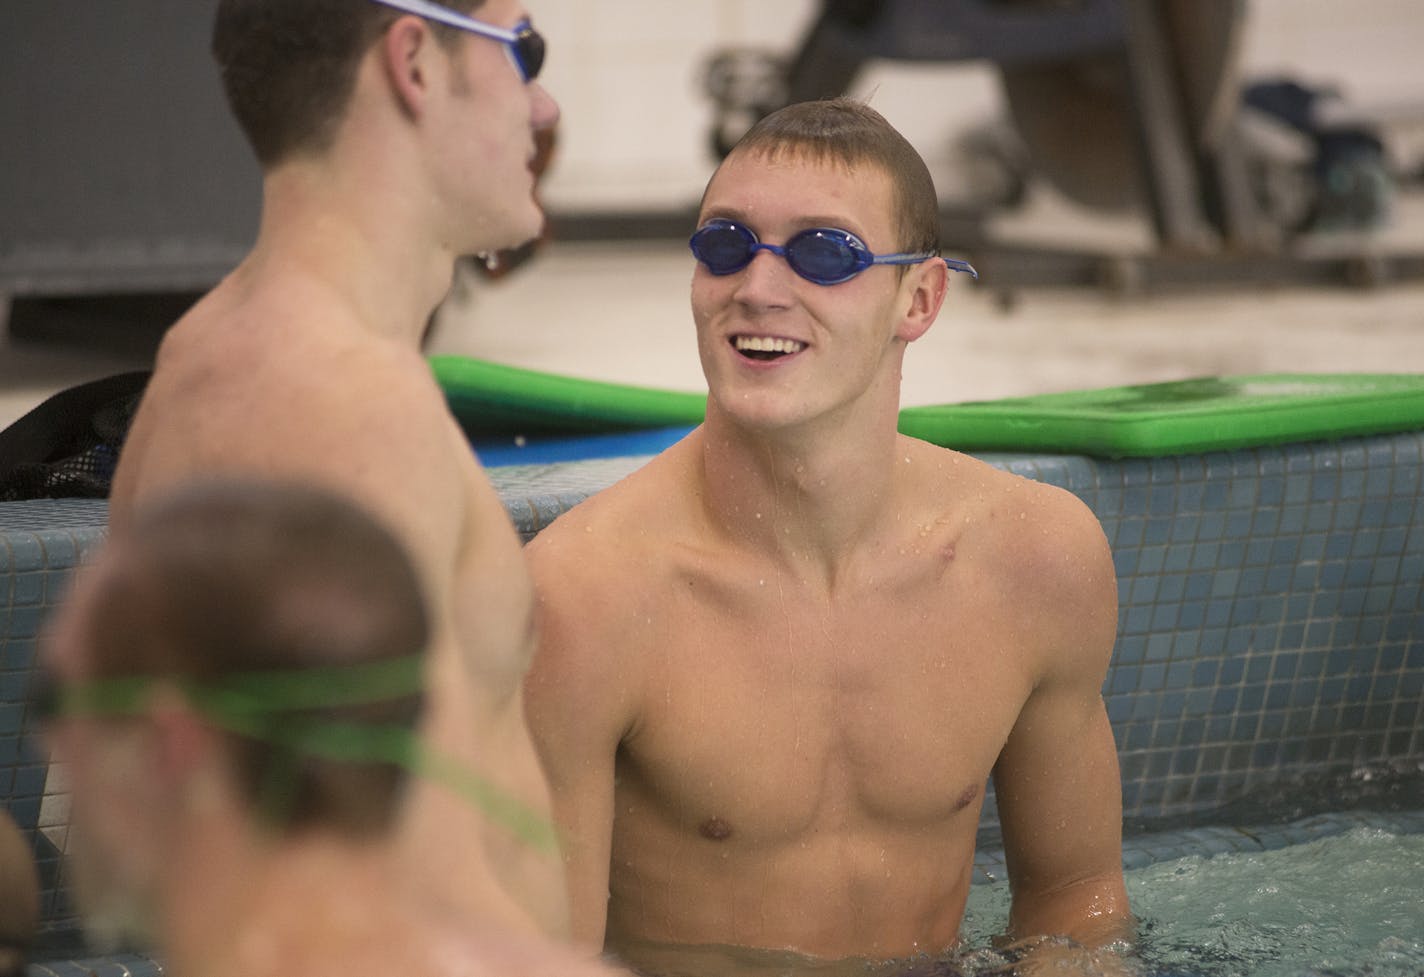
{"x": 715, "y": 829}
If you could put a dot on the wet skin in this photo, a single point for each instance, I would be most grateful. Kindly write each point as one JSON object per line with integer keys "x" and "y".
{"x": 780, "y": 662}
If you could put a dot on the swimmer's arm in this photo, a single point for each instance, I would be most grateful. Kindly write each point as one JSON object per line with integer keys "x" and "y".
{"x": 1060, "y": 807}
{"x": 579, "y": 706}
{"x": 1057, "y": 780}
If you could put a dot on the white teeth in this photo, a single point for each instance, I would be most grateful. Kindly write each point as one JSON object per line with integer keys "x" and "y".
{"x": 769, "y": 344}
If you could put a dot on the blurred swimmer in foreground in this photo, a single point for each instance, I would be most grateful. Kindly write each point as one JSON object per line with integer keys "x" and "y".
{"x": 236, "y": 688}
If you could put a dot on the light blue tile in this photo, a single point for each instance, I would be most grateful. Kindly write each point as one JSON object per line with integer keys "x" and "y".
{"x": 1266, "y": 521}
{"x": 1224, "y": 583}
{"x": 1159, "y": 646}
{"x": 1179, "y": 558}
{"x": 1293, "y": 520}
{"x": 1150, "y": 561}
{"x": 1325, "y": 486}
{"x": 1172, "y": 586}
{"x": 1205, "y": 556}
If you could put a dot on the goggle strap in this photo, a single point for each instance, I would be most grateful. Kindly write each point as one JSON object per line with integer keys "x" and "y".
{"x": 910, "y": 258}
{"x": 277, "y": 690}
{"x": 450, "y": 18}
{"x": 370, "y": 743}
{"x": 253, "y": 704}
{"x": 958, "y": 264}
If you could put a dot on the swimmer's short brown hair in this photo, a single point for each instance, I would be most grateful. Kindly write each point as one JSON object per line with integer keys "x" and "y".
{"x": 289, "y": 66}
{"x": 851, "y": 133}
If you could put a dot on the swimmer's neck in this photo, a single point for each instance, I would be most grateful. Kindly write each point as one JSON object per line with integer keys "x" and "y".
{"x": 239, "y": 900}
{"x": 814, "y": 499}
{"x": 388, "y": 271}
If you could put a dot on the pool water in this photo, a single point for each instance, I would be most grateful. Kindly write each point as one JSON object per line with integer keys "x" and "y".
{"x": 1350, "y": 905}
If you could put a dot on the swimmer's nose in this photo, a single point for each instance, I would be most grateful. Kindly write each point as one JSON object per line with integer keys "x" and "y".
{"x": 763, "y": 282}
{"x": 544, "y": 111}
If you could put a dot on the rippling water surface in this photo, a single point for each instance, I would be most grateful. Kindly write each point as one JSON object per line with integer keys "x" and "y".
{"x": 1348, "y": 905}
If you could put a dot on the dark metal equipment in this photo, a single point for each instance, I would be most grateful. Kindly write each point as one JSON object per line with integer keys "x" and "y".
{"x": 1120, "y": 105}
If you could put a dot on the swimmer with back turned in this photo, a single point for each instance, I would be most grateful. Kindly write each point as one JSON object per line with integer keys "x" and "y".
{"x": 394, "y": 137}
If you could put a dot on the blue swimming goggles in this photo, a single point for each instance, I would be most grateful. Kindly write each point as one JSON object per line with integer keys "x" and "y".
{"x": 824, "y": 255}
{"x": 524, "y": 45}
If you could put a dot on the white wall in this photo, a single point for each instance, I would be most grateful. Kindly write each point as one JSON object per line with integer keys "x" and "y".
{"x": 635, "y": 127}
{"x": 627, "y": 74}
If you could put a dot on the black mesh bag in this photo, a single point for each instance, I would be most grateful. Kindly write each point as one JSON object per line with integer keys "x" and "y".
{"x": 68, "y": 446}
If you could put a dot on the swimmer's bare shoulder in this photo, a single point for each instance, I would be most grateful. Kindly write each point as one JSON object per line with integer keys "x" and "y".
{"x": 633, "y": 525}
{"x": 260, "y": 390}
{"x": 1059, "y": 568}
{"x": 597, "y": 569}
{"x": 1042, "y": 548}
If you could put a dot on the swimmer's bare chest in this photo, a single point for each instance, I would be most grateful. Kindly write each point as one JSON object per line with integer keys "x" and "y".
{"x": 774, "y": 718}
{"x": 808, "y": 773}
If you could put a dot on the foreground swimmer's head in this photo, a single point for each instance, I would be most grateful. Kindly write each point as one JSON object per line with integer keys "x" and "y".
{"x": 197, "y": 659}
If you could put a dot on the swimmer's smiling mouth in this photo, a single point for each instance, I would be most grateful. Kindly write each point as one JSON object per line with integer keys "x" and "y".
{"x": 766, "y": 347}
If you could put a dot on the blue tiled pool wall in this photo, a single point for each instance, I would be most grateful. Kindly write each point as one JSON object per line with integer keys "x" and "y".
{"x": 40, "y": 544}
{"x": 1270, "y": 621}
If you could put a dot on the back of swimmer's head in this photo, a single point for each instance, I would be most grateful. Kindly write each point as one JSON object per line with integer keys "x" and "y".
{"x": 223, "y": 580}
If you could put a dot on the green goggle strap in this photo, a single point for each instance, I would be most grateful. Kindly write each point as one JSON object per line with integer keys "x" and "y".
{"x": 250, "y": 704}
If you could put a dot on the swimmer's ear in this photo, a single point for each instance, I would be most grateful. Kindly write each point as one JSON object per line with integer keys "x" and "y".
{"x": 183, "y": 741}
{"x": 405, "y": 50}
{"x": 921, "y": 294}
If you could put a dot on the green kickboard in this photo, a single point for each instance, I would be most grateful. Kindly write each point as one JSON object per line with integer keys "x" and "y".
{"x": 490, "y": 399}
{"x": 1181, "y": 417}
{"x": 1150, "y": 420}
